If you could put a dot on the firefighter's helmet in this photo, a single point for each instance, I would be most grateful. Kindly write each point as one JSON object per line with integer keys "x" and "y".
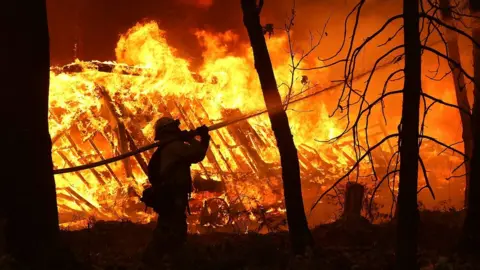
{"x": 164, "y": 122}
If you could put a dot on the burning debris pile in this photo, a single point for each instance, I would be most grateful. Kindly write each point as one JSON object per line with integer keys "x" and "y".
{"x": 103, "y": 109}
{"x": 239, "y": 175}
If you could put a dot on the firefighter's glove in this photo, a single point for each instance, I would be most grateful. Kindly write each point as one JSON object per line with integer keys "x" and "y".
{"x": 203, "y": 132}
{"x": 187, "y": 135}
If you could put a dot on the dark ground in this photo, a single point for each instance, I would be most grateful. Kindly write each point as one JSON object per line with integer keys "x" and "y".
{"x": 118, "y": 245}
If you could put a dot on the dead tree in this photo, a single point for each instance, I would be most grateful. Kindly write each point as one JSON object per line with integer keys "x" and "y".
{"x": 354, "y": 194}
{"x": 407, "y": 226}
{"x": 404, "y": 162}
{"x": 300, "y": 235}
{"x": 471, "y": 234}
{"x": 28, "y": 186}
{"x": 453, "y": 51}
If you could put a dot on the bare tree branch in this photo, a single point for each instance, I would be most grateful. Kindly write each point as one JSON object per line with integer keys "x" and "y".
{"x": 353, "y": 167}
{"x": 444, "y": 145}
{"x": 427, "y": 182}
{"x": 457, "y": 65}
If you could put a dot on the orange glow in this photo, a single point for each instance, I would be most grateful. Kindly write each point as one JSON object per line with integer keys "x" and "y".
{"x": 88, "y": 110}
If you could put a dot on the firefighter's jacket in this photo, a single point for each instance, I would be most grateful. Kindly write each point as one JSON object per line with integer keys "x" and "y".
{"x": 176, "y": 157}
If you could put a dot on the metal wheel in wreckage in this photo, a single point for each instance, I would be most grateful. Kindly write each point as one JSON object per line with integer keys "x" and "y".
{"x": 215, "y": 213}
{"x": 218, "y": 215}
{"x": 258, "y": 220}
{"x": 272, "y": 221}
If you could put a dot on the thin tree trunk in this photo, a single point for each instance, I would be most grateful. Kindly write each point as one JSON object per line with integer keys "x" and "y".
{"x": 460, "y": 90}
{"x": 471, "y": 233}
{"x": 407, "y": 226}
{"x": 28, "y": 183}
{"x": 354, "y": 194}
{"x": 297, "y": 223}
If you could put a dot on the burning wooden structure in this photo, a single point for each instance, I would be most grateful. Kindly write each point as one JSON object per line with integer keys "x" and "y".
{"x": 236, "y": 169}
{"x": 103, "y": 109}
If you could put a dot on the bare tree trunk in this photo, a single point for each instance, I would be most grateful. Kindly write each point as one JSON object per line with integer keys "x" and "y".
{"x": 460, "y": 89}
{"x": 471, "y": 233}
{"x": 299, "y": 233}
{"x": 28, "y": 186}
{"x": 407, "y": 226}
{"x": 354, "y": 194}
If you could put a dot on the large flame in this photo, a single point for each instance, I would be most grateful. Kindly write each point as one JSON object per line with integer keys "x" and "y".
{"x": 90, "y": 110}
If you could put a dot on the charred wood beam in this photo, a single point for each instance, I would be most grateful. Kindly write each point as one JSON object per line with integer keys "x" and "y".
{"x": 92, "y": 144}
{"x": 126, "y": 136}
{"x": 324, "y": 164}
{"x": 79, "y": 197}
{"x": 79, "y": 67}
{"x": 239, "y": 130}
{"x": 219, "y": 135}
{"x": 123, "y": 147}
{"x": 133, "y": 131}
{"x": 222, "y": 140}
{"x": 304, "y": 160}
{"x": 123, "y": 143}
{"x": 69, "y": 210}
{"x": 347, "y": 156}
{"x": 210, "y": 156}
{"x": 202, "y": 185}
{"x": 57, "y": 137}
{"x": 246, "y": 127}
{"x": 92, "y": 170}
{"x": 242, "y": 142}
{"x": 117, "y": 68}
{"x": 70, "y": 164}
{"x": 120, "y": 129}
{"x": 75, "y": 148}
{"x": 138, "y": 157}
{"x": 74, "y": 199}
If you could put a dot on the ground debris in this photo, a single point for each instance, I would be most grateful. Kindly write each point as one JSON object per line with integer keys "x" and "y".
{"x": 119, "y": 245}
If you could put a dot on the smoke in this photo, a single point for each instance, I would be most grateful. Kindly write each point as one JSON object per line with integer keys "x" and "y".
{"x": 90, "y": 29}
{"x": 199, "y": 3}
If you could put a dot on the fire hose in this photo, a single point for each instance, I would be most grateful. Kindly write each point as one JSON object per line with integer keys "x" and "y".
{"x": 215, "y": 126}
{"x": 210, "y": 128}
{"x": 148, "y": 147}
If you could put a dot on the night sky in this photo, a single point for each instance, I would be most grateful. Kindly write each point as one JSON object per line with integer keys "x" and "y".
{"x": 98, "y": 23}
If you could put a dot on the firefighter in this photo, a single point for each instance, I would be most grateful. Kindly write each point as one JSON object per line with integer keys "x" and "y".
{"x": 170, "y": 177}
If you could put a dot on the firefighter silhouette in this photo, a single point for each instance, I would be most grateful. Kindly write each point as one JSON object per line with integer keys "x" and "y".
{"x": 171, "y": 183}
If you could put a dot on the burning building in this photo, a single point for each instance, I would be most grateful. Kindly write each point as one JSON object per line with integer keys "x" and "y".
{"x": 103, "y": 109}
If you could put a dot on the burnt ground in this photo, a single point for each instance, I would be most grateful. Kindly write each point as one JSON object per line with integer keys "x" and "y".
{"x": 119, "y": 245}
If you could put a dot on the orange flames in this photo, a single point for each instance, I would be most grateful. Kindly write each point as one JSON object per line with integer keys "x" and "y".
{"x": 95, "y": 115}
